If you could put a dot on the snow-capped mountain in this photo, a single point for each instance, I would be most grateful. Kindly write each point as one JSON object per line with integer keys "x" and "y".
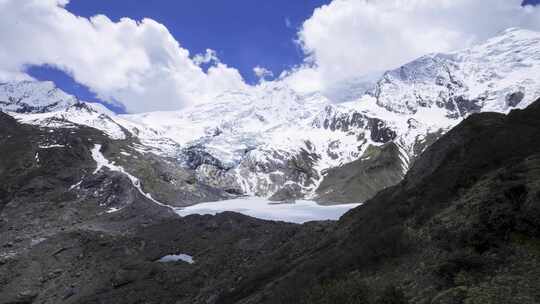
{"x": 497, "y": 75}
{"x": 33, "y": 97}
{"x": 271, "y": 141}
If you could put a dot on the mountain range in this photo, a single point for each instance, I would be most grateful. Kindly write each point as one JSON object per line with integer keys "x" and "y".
{"x": 273, "y": 142}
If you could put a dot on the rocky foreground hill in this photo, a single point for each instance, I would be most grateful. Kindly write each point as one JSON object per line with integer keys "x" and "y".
{"x": 462, "y": 227}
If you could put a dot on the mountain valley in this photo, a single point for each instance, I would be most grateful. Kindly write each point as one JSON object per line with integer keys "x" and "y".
{"x": 437, "y": 160}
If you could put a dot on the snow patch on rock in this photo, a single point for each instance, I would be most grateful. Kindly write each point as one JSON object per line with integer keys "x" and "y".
{"x": 102, "y": 162}
{"x": 176, "y": 258}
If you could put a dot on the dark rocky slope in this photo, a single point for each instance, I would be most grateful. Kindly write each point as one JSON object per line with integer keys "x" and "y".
{"x": 463, "y": 227}
{"x": 358, "y": 181}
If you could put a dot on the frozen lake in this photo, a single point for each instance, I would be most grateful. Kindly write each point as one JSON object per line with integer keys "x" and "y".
{"x": 297, "y": 212}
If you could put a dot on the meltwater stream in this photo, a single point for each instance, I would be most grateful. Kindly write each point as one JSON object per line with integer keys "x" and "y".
{"x": 298, "y": 212}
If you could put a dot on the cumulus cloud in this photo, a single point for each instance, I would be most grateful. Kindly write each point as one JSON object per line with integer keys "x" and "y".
{"x": 141, "y": 65}
{"x": 350, "y": 38}
{"x": 138, "y": 64}
{"x": 262, "y": 73}
{"x": 210, "y": 56}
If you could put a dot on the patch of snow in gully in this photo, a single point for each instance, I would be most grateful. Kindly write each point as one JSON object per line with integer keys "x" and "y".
{"x": 101, "y": 162}
{"x": 51, "y": 146}
{"x": 299, "y": 212}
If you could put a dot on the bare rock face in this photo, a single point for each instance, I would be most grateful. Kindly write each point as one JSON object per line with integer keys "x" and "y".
{"x": 379, "y": 168}
{"x": 514, "y": 99}
{"x": 219, "y": 178}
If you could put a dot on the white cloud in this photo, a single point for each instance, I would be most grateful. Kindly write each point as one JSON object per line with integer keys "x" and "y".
{"x": 139, "y": 64}
{"x": 210, "y": 56}
{"x": 304, "y": 78}
{"x": 262, "y": 73}
{"x": 349, "y": 38}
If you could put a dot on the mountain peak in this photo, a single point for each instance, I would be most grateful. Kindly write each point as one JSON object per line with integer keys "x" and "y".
{"x": 33, "y": 97}
{"x": 497, "y": 75}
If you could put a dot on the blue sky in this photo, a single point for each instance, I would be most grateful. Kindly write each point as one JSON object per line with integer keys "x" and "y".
{"x": 245, "y": 33}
